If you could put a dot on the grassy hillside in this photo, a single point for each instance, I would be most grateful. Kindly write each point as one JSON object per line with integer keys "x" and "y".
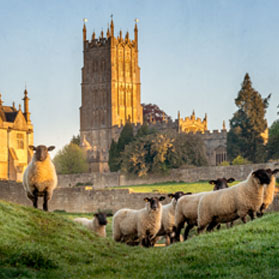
{"x": 171, "y": 187}
{"x": 35, "y": 244}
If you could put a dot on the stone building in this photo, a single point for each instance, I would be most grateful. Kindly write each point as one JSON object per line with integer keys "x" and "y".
{"x": 16, "y": 134}
{"x": 111, "y": 96}
{"x": 110, "y": 91}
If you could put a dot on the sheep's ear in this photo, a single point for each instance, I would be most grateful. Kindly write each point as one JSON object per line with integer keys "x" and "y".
{"x": 32, "y": 147}
{"x": 171, "y": 195}
{"x": 212, "y": 182}
{"x": 275, "y": 171}
{"x": 188, "y": 193}
{"x": 230, "y": 180}
{"x": 50, "y": 148}
{"x": 146, "y": 199}
{"x": 162, "y": 198}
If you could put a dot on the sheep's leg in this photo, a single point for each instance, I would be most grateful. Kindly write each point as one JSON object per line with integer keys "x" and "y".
{"x": 260, "y": 212}
{"x": 169, "y": 239}
{"x": 30, "y": 196}
{"x": 201, "y": 229}
{"x": 187, "y": 230}
{"x": 251, "y": 214}
{"x": 178, "y": 231}
{"x": 211, "y": 226}
{"x": 244, "y": 219}
{"x": 46, "y": 198}
{"x": 35, "y": 199}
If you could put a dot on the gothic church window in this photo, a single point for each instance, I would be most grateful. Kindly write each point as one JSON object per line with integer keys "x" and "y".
{"x": 20, "y": 141}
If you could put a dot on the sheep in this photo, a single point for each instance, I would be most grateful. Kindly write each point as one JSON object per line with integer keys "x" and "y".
{"x": 167, "y": 227}
{"x": 187, "y": 208}
{"x": 229, "y": 204}
{"x": 268, "y": 192}
{"x": 138, "y": 226}
{"x": 97, "y": 224}
{"x": 39, "y": 178}
{"x": 221, "y": 183}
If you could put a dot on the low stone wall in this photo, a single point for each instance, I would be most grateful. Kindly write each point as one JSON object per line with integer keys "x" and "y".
{"x": 186, "y": 175}
{"x": 79, "y": 199}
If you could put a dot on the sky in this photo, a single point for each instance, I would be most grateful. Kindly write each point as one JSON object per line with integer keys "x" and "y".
{"x": 193, "y": 55}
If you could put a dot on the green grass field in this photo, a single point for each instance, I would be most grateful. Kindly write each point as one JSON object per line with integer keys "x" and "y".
{"x": 171, "y": 187}
{"x": 36, "y": 244}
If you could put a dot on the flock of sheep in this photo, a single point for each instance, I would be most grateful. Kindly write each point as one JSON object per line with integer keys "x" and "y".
{"x": 145, "y": 226}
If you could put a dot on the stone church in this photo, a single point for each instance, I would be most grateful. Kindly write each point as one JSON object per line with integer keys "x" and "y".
{"x": 16, "y": 134}
{"x": 111, "y": 96}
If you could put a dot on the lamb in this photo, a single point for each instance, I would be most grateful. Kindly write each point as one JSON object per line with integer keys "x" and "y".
{"x": 229, "y": 204}
{"x": 138, "y": 226}
{"x": 97, "y": 224}
{"x": 39, "y": 178}
{"x": 187, "y": 208}
{"x": 167, "y": 227}
{"x": 268, "y": 192}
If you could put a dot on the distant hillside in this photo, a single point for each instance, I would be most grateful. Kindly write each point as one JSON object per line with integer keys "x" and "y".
{"x": 35, "y": 244}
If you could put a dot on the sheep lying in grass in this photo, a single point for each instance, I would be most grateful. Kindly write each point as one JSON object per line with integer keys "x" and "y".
{"x": 229, "y": 204}
{"x": 39, "y": 178}
{"x": 187, "y": 208}
{"x": 97, "y": 224}
{"x": 268, "y": 192}
{"x": 138, "y": 226}
{"x": 167, "y": 227}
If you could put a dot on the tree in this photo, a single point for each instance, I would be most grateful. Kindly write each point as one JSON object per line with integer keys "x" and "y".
{"x": 247, "y": 124}
{"x": 71, "y": 159}
{"x": 114, "y": 159}
{"x": 126, "y": 136}
{"x": 273, "y": 141}
{"x": 76, "y": 140}
{"x": 189, "y": 149}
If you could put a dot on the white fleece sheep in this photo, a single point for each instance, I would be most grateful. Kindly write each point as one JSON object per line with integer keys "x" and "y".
{"x": 229, "y": 204}
{"x": 138, "y": 226}
{"x": 167, "y": 226}
{"x": 97, "y": 224}
{"x": 268, "y": 192}
{"x": 186, "y": 211}
{"x": 39, "y": 178}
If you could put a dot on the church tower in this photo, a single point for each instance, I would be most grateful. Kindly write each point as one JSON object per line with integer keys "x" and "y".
{"x": 110, "y": 91}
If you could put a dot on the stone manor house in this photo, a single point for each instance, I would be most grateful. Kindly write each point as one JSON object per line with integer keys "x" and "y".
{"x": 111, "y": 95}
{"x": 16, "y": 134}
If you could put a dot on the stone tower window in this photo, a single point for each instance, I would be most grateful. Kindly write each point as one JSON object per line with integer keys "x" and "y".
{"x": 20, "y": 141}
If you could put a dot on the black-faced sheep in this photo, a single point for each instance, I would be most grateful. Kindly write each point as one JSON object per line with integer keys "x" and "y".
{"x": 138, "y": 226}
{"x": 187, "y": 208}
{"x": 97, "y": 224}
{"x": 268, "y": 192}
{"x": 39, "y": 178}
{"x": 167, "y": 228}
{"x": 229, "y": 204}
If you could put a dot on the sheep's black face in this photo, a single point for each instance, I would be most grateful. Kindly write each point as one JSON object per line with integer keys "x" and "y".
{"x": 102, "y": 218}
{"x": 41, "y": 152}
{"x": 221, "y": 183}
{"x": 154, "y": 202}
{"x": 263, "y": 176}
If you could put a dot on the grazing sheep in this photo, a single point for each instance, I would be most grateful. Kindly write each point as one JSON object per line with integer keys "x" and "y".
{"x": 229, "y": 204}
{"x": 138, "y": 226}
{"x": 268, "y": 192}
{"x": 222, "y": 183}
{"x": 39, "y": 178}
{"x": 187, "y": 208}
{"x": 167, "y": 227}
{"x": 97, "y": 224}
{"x": 186, "y": 211}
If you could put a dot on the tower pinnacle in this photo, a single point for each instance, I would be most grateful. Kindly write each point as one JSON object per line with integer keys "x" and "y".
{"x": 84, "y": 29}
{"x": 26, "y": 106}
